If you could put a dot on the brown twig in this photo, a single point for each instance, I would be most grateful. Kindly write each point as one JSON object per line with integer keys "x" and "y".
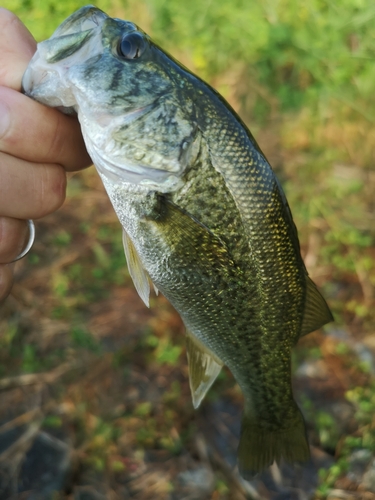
{"x": 36, "y": 378}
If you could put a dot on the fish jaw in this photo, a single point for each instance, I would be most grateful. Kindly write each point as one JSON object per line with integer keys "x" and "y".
{"x": 46, "y": 79}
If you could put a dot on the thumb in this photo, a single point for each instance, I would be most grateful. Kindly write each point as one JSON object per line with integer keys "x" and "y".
{"x": 17, "y": 47}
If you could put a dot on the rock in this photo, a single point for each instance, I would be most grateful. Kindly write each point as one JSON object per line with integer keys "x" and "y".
{"x": 341, "y": 495}
{"x": 366, "y": 356}
{"x": 8, "y": 438}
{"x": 341, "y": 411}
{"x": 314, "y": 368}
{"x": 199, "y": 480}
{"x": 338, "y": 333}
{"x": 368, "y": 481}
{"x": 358, "y": 463}
{"x": 46, "y": 467}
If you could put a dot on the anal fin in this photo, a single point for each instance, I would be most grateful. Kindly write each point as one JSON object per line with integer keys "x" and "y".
{"x": 316, "y": 313}
{"x": 204, "y": 367}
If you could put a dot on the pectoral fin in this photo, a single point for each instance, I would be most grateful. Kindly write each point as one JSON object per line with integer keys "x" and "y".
{"x": 138, "y": 273}
{"x": 204, "y": 367}
{"x": 316, "y": 312}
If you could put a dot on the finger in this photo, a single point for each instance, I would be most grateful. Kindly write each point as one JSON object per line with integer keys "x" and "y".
{"x": 17, "y": 47}
{"x": 6, "y": 280}
{"x": 30, "y": 190}
{"x": 37, "y": 133}
{"x": 14, "y": 235}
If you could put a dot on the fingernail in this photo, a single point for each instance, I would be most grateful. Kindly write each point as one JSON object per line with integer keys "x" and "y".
{"x": 4, "y": 118}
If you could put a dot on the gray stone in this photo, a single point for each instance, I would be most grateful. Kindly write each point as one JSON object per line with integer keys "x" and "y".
{"x": 315, "y": 368}
{"x": 46, "y": 467}
{"x": 358, "y": 463}
{"x": 341, "y": 495}
{"x": 201, "y": 479}
{"x": 337, "y": 333}
{"x": 368, "y": 481}
{"x": 366, "y": 356}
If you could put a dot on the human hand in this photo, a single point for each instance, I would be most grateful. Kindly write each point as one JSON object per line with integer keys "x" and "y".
{"x": 37, "y": 146}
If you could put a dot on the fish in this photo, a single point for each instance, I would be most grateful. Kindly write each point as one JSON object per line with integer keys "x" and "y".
{"x": 205, "y": 220}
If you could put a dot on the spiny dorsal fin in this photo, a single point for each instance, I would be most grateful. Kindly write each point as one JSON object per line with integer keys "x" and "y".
{"x": 136, "y": 270}
{"x": 316, "y": 313}
{"x": 204, "y": 367}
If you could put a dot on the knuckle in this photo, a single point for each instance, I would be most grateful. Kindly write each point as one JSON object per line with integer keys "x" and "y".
{"x": 52, "y": 190}
{"x": 7, "y": 17}
{"x": 57, "y": 139}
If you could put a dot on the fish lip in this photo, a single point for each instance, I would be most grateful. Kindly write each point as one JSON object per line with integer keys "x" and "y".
{"x": 43, "y": 66}
{"x": 33, "y": 84}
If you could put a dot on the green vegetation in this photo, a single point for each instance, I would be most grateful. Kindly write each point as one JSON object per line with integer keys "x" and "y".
{"x": 363, "y": 398}
{"x": 312, "y": 67}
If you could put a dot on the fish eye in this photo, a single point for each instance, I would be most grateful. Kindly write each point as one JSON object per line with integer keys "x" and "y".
{"x": 131, "y": 46}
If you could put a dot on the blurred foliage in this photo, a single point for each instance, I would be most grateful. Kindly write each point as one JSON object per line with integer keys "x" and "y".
{"x": 363, "y": 400}
{"x": 313, "y": 62}
{"x": 301, "y": 51}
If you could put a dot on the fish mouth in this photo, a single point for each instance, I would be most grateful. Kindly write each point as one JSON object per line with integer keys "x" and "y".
{"x": 78, "y": 37}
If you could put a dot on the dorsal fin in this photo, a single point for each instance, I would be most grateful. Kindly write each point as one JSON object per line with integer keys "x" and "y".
{"x": 138, "y": 273}
{"x": 316, "y": 313}
{"x": 204, "y": 367}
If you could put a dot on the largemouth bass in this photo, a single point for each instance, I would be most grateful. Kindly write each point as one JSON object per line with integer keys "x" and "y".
{"x": 205, "y": 219}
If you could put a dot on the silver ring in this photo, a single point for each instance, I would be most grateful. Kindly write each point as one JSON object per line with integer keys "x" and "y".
{"x": 30, "y": 243}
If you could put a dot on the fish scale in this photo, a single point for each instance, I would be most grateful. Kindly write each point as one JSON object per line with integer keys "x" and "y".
{"x": 203, "y": 216}
{"x": 254, "y": 192}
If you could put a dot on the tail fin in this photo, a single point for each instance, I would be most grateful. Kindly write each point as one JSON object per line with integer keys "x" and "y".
{"x": 260, "y": 447}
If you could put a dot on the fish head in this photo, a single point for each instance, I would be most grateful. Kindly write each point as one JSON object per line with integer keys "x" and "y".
{"x": 132, "y": 99}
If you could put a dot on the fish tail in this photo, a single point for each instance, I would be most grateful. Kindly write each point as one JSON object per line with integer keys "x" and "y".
{"x": 259, "y": 447}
